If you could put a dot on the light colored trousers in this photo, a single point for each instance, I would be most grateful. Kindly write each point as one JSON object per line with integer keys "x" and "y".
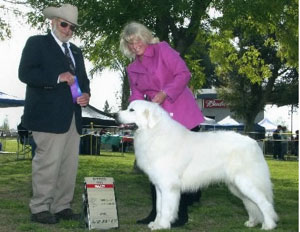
{"x": 54, "y": 169}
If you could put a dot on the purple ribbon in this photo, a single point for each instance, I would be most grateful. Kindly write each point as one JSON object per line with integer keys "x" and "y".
{"x": 75, "y": 90}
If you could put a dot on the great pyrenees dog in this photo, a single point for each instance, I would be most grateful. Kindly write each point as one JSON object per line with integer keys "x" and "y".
{"x": 178, "y": 160}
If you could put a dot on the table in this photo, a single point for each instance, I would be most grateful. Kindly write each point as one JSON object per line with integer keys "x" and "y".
{"x": 90, "y": 144}
{"x": 117, "y": 142}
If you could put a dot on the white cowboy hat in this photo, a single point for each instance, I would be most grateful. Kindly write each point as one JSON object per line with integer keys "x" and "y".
{"x": 66, "y": 12}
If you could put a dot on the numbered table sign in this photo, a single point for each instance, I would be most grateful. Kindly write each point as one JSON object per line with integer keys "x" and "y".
{"x": 99, "y": 203}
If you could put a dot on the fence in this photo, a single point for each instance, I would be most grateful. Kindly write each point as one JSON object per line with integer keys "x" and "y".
{"x": 92, "y": 144}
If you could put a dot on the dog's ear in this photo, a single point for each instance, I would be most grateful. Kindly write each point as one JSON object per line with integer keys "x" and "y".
{"x": 152, "y": 117}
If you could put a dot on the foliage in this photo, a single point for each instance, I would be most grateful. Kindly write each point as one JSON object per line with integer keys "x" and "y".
{"x": 176, "y": 22}
{"x": 285, "y": 91}
{"x": 5, "y": 125}
{"x": 4, "y": 27}
{"x": 276, "y": 17}
{"x": 107, "y": 108}
{"x": 198, "y": 77}
{"x": 248, "y": 72}
{"x": 7, "y": 9}
{"x": 199, "y": 62}
{"x": 248, "y": 62}
{"x": 252, "y": 40}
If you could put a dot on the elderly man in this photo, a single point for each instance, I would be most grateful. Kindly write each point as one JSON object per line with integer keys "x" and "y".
{"x": 57, "y": 87}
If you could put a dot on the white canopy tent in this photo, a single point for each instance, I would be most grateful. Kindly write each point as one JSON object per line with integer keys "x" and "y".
{"x": 268, "y": 125}
{"x": 10, "y": 101}
{"x": 208, "y": 121}
{"x": 97, "y": 117}
{"x": 228, "y": 121}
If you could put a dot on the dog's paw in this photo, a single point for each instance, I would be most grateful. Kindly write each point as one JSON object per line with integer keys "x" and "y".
{"x": 250, "y": 223}
{"x": 151, "y": 224}
{"x": 158, "y": 226}
{"x": 268, "y": 226}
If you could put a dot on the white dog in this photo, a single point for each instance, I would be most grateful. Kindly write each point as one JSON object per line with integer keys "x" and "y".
{"x": 178, "y": 160}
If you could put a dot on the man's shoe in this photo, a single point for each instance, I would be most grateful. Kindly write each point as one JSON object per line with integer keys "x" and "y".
{"x": 44, "y": 217}
{"x": 67, "y": 214}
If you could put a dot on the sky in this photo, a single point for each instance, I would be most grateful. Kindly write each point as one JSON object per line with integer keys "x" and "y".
{"x": 104, "y": 87}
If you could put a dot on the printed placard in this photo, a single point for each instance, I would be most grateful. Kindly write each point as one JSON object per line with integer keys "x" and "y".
{"x": 100, "y": 203}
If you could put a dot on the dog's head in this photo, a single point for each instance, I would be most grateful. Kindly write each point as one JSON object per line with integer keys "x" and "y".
{"x": 143, "y": 113}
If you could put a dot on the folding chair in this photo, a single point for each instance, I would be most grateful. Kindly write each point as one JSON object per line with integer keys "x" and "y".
{"x": 24, "y": 145}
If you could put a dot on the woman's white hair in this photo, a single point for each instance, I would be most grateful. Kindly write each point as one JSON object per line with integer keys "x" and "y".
{"x": 133, "y": 31}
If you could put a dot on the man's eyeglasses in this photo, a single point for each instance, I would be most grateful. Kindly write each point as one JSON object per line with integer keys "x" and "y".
{"x": 65, "y": 24}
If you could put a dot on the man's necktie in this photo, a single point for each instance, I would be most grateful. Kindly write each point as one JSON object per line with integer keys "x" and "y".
{"x": 70, "y": 61}
{"x": 75, "y": 89}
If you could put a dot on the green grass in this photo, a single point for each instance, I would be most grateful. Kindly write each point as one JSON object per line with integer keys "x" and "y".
{"x": 9, "y": 144}
{"x": 217, "y": 211}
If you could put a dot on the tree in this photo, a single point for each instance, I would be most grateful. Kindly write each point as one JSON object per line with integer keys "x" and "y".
{"x": 175, "y": 21}
{"x": 199, "y": 62}
{"x": 276, "y": 17}
{"x": 4, "y": 26}
{"x": 285, "y": 91}
{"x": 107, "y": 108}
{"x": 250, "y": 64}
{"x": 5, "y": 125}
{"x": 7, "y": 8}
{"x": 179, "y": 22}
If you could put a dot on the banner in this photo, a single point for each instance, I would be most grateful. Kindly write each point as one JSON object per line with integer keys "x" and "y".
{"x": 214, "y": 103}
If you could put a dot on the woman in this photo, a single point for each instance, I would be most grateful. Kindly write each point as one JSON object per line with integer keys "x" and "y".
{"x": 159, "y": 74}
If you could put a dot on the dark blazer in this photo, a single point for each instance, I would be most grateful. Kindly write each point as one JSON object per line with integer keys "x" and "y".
{"x": 48, "y": 104}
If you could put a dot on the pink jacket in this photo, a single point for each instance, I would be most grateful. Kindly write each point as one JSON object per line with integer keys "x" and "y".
{"x": 163, "y": 69}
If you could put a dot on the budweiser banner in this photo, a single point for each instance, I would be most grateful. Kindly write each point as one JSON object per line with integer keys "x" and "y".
{"x": 214, "y": 103}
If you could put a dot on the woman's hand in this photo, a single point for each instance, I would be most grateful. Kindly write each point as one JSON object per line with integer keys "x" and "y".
{"x": 160, "y": 97}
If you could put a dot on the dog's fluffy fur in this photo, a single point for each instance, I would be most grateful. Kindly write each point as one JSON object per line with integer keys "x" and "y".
{"x": 178, "y": 160}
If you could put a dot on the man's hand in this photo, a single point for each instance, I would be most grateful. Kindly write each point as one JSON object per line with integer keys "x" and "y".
{"x": 84, "y": 99}
{"x": 67, "y": 77}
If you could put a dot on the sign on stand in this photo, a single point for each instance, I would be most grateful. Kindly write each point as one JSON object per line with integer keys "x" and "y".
{"x": 99, "y": 203}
